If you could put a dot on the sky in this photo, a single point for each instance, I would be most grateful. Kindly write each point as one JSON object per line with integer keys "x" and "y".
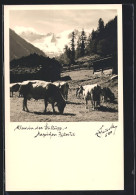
{"x": 56, "y": 21}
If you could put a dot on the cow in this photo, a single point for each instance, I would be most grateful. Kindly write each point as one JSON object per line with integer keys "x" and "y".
{"x": 14, "y": 87}
{"x": 42, "y": 90}
{"x": 92, "y": 93}
{"x": 63, "y": 87}
{"x": 103, "y": 64}
{"x": 107, "y": 94}
{"x": 80, "y": 89}
{"x": 26, "y": 82}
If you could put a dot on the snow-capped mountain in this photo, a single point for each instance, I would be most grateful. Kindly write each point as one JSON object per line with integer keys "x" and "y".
{"x": 52, "y": 44}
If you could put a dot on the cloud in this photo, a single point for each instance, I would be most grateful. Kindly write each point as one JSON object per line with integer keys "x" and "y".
{"x": 59, "y": 20}
{"x": 20, "y": 29}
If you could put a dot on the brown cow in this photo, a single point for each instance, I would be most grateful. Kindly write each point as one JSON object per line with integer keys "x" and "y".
{"x": 64, "y": 87}
{"x": 14, "y": 87}
{"x": 42, "y": 90}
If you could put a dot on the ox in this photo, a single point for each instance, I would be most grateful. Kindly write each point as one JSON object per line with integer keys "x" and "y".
{"x": 107, "y": 95}
{"x": 42, "y": 90}
{"x": 63, "y": 87}
{"x": 14, "y": 87}
{"x": 92, "y": 93}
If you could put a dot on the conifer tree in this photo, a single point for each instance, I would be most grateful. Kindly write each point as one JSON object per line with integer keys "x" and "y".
{"x": 73, "y": 48}
{"x": 100, "y": 28}
{"x": 100, "y": 25}
{"x": 78, "y": 48}
{"x": 83, "y": 40}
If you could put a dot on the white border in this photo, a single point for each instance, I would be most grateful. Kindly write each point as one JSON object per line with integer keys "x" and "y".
{"x": 14, "y": 182}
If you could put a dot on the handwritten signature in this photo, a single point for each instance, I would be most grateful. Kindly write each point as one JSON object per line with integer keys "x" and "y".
{"x": 105, "y": 132}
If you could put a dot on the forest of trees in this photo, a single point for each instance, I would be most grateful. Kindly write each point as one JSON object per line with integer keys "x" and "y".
{"x": 102, "y": 41}
{"x": 34, "y": 67}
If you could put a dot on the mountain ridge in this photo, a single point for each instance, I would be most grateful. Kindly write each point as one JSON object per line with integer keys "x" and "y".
{"x": 20, "y": 47}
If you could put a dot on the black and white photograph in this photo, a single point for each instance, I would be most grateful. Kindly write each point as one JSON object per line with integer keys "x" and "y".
{"x": 63, "y": 65}
{"x": 63, "y": 69}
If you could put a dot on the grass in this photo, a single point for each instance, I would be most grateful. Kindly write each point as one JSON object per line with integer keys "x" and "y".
{"x": 75, "y": 110}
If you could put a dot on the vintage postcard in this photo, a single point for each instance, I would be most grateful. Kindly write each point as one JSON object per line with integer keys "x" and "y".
{"x": 63, "y": 97}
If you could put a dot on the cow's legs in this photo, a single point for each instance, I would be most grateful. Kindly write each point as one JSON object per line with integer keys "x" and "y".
{"x": 105, "y": 98}
{"x": 46, "y": 104}
{"x": 93, "y": 104}
{"x": 25, "y": 104}
{"x": 11, "y": 94}
{"x": 86, "y": 104}
{"x": 98, "y": 103}
{"x": 102, "y": 99}
{"x": 66, "y": 96}
{"x": 19, "y": 95}
{"x": 53, "y": 107}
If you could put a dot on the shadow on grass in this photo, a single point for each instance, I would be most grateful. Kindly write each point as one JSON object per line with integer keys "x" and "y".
{"x": 51, "y": 113}
{"x": 112, "y": 102}
{"x": 107, "y": 109}
{"x": 76, "y": 103}
{"x": 83, "y": 80}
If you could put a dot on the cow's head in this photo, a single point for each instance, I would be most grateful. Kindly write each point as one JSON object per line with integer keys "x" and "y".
{"x": 25, "y": 89}
{"x": 112, "y": 97}
{"x": 61, "y": 106}
{"x": 79, "y": 90}
{"x": 107, "y": 93}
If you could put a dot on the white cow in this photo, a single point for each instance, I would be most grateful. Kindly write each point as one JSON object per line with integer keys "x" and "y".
{"x": 64, "y": 87}
{"x": 81, "y": 88}
{"x": 92, "y": 93}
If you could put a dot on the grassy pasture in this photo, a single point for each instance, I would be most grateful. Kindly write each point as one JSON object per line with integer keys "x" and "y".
{"x": 75, "y": 109}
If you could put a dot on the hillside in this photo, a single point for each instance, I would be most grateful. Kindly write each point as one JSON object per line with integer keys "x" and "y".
{"x": 34, "y": 67}
{"x": 19, "y": 47}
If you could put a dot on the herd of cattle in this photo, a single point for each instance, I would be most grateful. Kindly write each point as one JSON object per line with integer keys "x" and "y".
{"x": 56, "y": 93}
